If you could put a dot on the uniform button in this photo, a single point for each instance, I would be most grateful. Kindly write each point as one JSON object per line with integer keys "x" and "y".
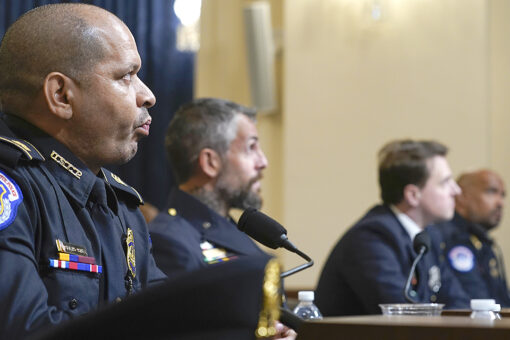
{"x": 442, "y": 245}
{"x": 433, "y": 298}
{"x": 73, "y": 304}
{"x": 206, "y": 225}
{"x": 172, "y": 212}
{"x": 118, "y": 299}
{"x": 441, "y": 258}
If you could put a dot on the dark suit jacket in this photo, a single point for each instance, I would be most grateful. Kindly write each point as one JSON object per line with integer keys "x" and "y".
{"x": 176, "y": 238}
{"x": 370, "y": 265}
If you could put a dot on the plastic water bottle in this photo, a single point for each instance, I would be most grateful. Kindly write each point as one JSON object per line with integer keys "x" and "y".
{"x": 483, "y": 309}
{"x": 306, "y": 308}
{"x": 497, "y": 311}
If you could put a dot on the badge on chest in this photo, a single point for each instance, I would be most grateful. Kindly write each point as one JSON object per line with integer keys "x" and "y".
{"x": 213, "y": 254}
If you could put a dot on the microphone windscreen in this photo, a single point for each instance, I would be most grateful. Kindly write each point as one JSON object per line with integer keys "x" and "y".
{"x": 261, "y": 228}
{"x": 421, "y": 239}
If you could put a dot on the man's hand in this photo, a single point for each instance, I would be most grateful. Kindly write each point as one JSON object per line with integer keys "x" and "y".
{"x": 284, "y": 332}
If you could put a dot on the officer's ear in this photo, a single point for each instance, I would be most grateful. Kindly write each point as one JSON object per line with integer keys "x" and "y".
{"x": 209, "y": 162}
{"x": 412, "y": 195}
{"x": 58, "y": 93}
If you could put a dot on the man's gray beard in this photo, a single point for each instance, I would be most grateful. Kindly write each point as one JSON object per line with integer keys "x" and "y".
{"x": 243, "y": 198}
{"x": 226, "y": 198}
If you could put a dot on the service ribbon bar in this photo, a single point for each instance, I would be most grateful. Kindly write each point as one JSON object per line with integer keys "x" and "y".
{"x": 76, "y": 258}
{"x": 86, "y": 267}
{"x": 224, "y": 259}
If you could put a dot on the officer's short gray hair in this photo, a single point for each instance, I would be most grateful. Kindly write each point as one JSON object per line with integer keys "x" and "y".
{"x": 202, "y": 123}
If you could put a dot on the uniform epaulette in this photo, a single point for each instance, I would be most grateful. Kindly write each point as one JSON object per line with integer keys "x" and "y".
{"x": 119, "y": 184}
{"x": 23, "y": 149}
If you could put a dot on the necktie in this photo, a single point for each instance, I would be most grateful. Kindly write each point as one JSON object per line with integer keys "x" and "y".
{"x": 112, "y": 238}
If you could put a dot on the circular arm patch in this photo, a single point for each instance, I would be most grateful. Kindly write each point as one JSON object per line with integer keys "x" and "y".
{"x": 10, "y": 199}
{"x": 461, "y": 258}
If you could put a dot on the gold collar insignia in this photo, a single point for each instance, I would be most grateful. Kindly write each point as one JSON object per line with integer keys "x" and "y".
{"x": 66, "y": 165}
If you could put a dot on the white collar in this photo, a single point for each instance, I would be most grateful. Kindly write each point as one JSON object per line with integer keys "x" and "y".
{"x": 409, "y": 225}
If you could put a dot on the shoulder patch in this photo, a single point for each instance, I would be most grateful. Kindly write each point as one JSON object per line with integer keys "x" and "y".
{"x": 117, "y": 183}
{"x": 29, "y": 151}
{"x": 10, "y": 199}
{"x": 461, "y": 258}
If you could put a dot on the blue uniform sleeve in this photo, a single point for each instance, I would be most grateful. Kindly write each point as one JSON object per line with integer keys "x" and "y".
{"x": 23, "y": 295}
{"x": 452, "y": 292}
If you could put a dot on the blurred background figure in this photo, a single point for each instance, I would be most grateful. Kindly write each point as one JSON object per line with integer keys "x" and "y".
{"x": 472, "y": 254}
{"x": 371, "y": 262}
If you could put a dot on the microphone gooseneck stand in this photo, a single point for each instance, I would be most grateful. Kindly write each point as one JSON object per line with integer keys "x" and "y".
{"x": 294, "y": 249}
{"x": 410, "y": 277}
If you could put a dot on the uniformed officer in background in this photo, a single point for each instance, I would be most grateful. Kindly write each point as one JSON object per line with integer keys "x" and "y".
{"x": 472, "y": 254}
{"x": 217, "y": 161}
{"x": 71, "y": 234}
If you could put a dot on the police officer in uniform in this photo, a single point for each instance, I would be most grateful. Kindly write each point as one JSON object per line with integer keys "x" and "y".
{"x": 371, "y": 262}
{"x": 213, "y": 148}
{"x": 472, "y": 254}
{"x": 71, "y": 235}
{"x": 72, "y": 238}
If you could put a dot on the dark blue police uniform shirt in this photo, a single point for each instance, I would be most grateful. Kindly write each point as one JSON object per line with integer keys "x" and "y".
{"x": 370, "y": 265}
{"x": 42, "y": 202}
{"x": 179, "y": 233}
{"x": 475, "y": 259}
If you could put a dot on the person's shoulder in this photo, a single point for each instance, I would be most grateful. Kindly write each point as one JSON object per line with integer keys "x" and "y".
{"x": 15, "y": 152}
{"x": 377, "y": 223}
{"x": 451, "y": 232}
{"x": 124, "y": 191}
{"x": 172, "y": 225}
{"x": 379, "y": 218}
{"x": 379, "y": 227}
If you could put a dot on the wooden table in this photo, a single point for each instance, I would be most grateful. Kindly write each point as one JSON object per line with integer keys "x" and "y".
{"x": 382, "y": 327}
{"x": 505, "y": 312}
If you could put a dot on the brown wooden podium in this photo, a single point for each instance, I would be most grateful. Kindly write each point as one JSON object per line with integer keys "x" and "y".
{"x": 380, "y": 327}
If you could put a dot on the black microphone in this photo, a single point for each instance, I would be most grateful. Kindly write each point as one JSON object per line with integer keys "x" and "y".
{"x": 270, "y": 233}
{"x": 421, "y": 245}
{"x": 264, "y": 229}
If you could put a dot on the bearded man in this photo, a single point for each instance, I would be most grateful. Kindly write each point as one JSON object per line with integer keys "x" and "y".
{"x": 217, "y": 162}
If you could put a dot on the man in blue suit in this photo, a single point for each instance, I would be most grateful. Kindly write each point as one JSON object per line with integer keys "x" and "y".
{"x": 217, "y": 161}
{"x": 371, "y": 262}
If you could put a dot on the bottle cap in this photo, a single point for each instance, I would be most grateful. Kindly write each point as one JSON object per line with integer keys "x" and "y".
{"x": 306, "y": 295}
{"x": 483, "y": 304}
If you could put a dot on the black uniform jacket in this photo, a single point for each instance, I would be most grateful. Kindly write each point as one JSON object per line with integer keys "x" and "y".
{"x": 45, "y": 214}
{"x": 181, "y": 235}
{"x": 475, "y": 259}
